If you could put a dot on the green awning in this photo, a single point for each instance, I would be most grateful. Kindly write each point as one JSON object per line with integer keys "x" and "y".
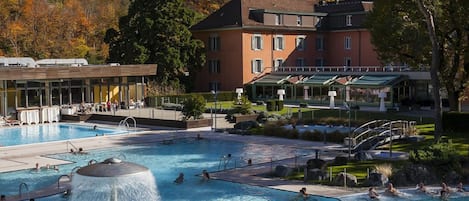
{"x": 319, "y": 80}
{"x": 376, "y": 80}
{"x": 271, "y": 79}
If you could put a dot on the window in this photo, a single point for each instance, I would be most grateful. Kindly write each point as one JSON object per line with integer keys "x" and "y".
{"x": 257, "y": 66}
{"x": 299, "y": 20}
{"x": 348, "y": 20}
{"x": 256, "y": 42}
{"x": 319, "y": 62}
{"x": 347, "y": 61}
{"x": 214, "y": 43}
{"x": 214, "y": 85}
{"x": 278, "y": 19}
{"x": 213, "y": 66}
{"x": 348, "y": 43}
{"x": 300, "y": 43}
{"x": 277, "y": 63}
{"x": 300, "y": 62}
{"x": 320, "y": 43}
{"x": 279, "y": 43}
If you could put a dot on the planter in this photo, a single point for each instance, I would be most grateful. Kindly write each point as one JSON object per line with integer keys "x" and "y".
{"x": 248, "y": 117}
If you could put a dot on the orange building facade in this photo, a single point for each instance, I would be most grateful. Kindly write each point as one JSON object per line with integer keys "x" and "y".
{"x": 246, "y": 39}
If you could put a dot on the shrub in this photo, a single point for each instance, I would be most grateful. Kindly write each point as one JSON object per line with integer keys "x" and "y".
{"x": 385, "y": 169}
{"x": 279, "y": 105}
{"x": 441, "y": 155}
{"x": 243, "y": 106}
{"x": 194, "y": 106}
{"x": 270, "y": 105}
{"x": 455, "y": 121}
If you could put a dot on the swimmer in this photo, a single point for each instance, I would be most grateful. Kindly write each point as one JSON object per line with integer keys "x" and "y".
{"x": 445, "y": 191}
{"x": 460, "y": 188}
{"x": 205, "y": 175}
{"x": 391, "y": 190}
{"x": 179, "y": 179}
{"x": 421, "y": 187}
{"x": 372, "y": 193}
{"x": 303, "y": 194}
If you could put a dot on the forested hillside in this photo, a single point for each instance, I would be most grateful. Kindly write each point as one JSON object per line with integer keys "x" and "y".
{"x": 66, "y": 28}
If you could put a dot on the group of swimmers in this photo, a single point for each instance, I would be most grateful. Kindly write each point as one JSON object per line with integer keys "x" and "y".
{"x": 180, "y": 178}
{"x": 79, "y": 151}
{"x": 47, "y": 167}
{"x": 443, "y": 193}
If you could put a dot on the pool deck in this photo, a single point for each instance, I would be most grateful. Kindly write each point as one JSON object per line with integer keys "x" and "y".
{"x": 26, "y": 156}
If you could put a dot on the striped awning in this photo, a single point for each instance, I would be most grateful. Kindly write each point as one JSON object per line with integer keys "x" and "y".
{"x": 375, "y": 80}
{"x": 319, "y": 80}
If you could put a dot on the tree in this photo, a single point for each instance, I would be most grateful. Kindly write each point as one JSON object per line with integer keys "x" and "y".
{"x": 194, "y": 107}
{"x": 425, "y": 33}
{"x": 157, "y": 32}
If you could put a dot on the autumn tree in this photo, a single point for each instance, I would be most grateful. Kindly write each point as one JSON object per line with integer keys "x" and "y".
{"x": 157, "y": 32}
{"x": 425, "y": 33}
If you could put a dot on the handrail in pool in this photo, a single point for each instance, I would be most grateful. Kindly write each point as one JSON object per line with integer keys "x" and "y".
{"x": 71, "y": 144}
{"x": 21, "y": 187}
{"x": 61, "y": 176}
{"x": 74, "y": 170}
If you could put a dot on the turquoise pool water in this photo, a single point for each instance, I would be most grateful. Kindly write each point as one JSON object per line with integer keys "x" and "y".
{"x": 19, "y": 135}
{"x": 166, "y": 161}
{"x": 410, "y": 195}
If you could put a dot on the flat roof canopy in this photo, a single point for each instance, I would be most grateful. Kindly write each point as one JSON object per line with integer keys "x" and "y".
{"x": 375, "y": 80}
{"x": 319, "y": 80}
{"x": 66, "y": 72}
{"x": 271, "y": 79}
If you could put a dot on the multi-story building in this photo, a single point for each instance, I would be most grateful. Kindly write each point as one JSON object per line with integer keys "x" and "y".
{"x": 307, "y": 47}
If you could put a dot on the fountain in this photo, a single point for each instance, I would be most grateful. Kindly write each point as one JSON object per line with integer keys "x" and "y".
{"x": 113, "y": 180}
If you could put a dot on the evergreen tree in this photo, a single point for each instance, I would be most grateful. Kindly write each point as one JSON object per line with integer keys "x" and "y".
{"x": 157, "y": 31}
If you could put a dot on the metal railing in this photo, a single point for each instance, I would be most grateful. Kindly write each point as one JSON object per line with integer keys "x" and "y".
{"x": 346, "y": 69}
{"x": 20, "y": 190}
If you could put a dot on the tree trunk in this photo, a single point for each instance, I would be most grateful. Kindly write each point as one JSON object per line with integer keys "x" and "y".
{"x": 434, "y": 69}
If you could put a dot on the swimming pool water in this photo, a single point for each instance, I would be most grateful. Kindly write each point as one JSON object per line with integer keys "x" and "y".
{"x": 167, "y": 161}
{"x": 19, "y": 135}
{"x": 410, "y": 195}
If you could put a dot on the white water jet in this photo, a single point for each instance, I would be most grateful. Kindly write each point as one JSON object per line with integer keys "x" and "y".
{"x": 114, "y": 180}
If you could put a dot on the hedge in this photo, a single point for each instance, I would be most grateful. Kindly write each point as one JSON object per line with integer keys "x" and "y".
{"x": 157, "y": 101}
{"x": 455, "y": 121}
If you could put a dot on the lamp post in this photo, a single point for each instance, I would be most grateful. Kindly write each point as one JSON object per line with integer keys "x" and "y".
{"x": 215, "y": 93}
{"x": 349, "y": 129}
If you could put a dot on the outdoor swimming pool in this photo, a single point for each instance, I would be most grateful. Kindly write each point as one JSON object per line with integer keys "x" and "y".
{"x": 166, "y": 161}
{"x": 19, "y": 135}
{"x": 410, "y": 194}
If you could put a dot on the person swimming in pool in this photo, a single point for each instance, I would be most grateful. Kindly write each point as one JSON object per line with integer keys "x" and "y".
{"x": 179, "y": 179}
{"x": 372, "y": 193}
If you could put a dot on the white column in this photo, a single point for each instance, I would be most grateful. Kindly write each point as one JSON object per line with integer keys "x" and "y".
{"x": 306, "y": 88}
{"x": 347, "y": 93}
{"x": 331, "y": 94}
{"x": 382, "y": 96}
{"x": 239, "y": 91}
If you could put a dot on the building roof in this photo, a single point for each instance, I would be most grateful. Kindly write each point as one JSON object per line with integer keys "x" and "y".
{"x": 67, "y": 72}
{"x": 236, "y": 13}
{"x": 343, "y": 6}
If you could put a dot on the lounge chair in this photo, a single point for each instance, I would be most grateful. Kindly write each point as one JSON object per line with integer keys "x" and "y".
{"x": 12, "y": 122}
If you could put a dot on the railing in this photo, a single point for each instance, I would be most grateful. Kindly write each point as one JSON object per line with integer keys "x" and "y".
{"x": 383, "y": 128}
{"x": 72, "y": 145}
{"x": 60, "y": 179}
{"x": 125, "y": 123}
{"x": 369, "y": 125}
{"x": 20, "y": 190}
{"x": 74, "y": 170}
{"x": 346, "y": 69}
